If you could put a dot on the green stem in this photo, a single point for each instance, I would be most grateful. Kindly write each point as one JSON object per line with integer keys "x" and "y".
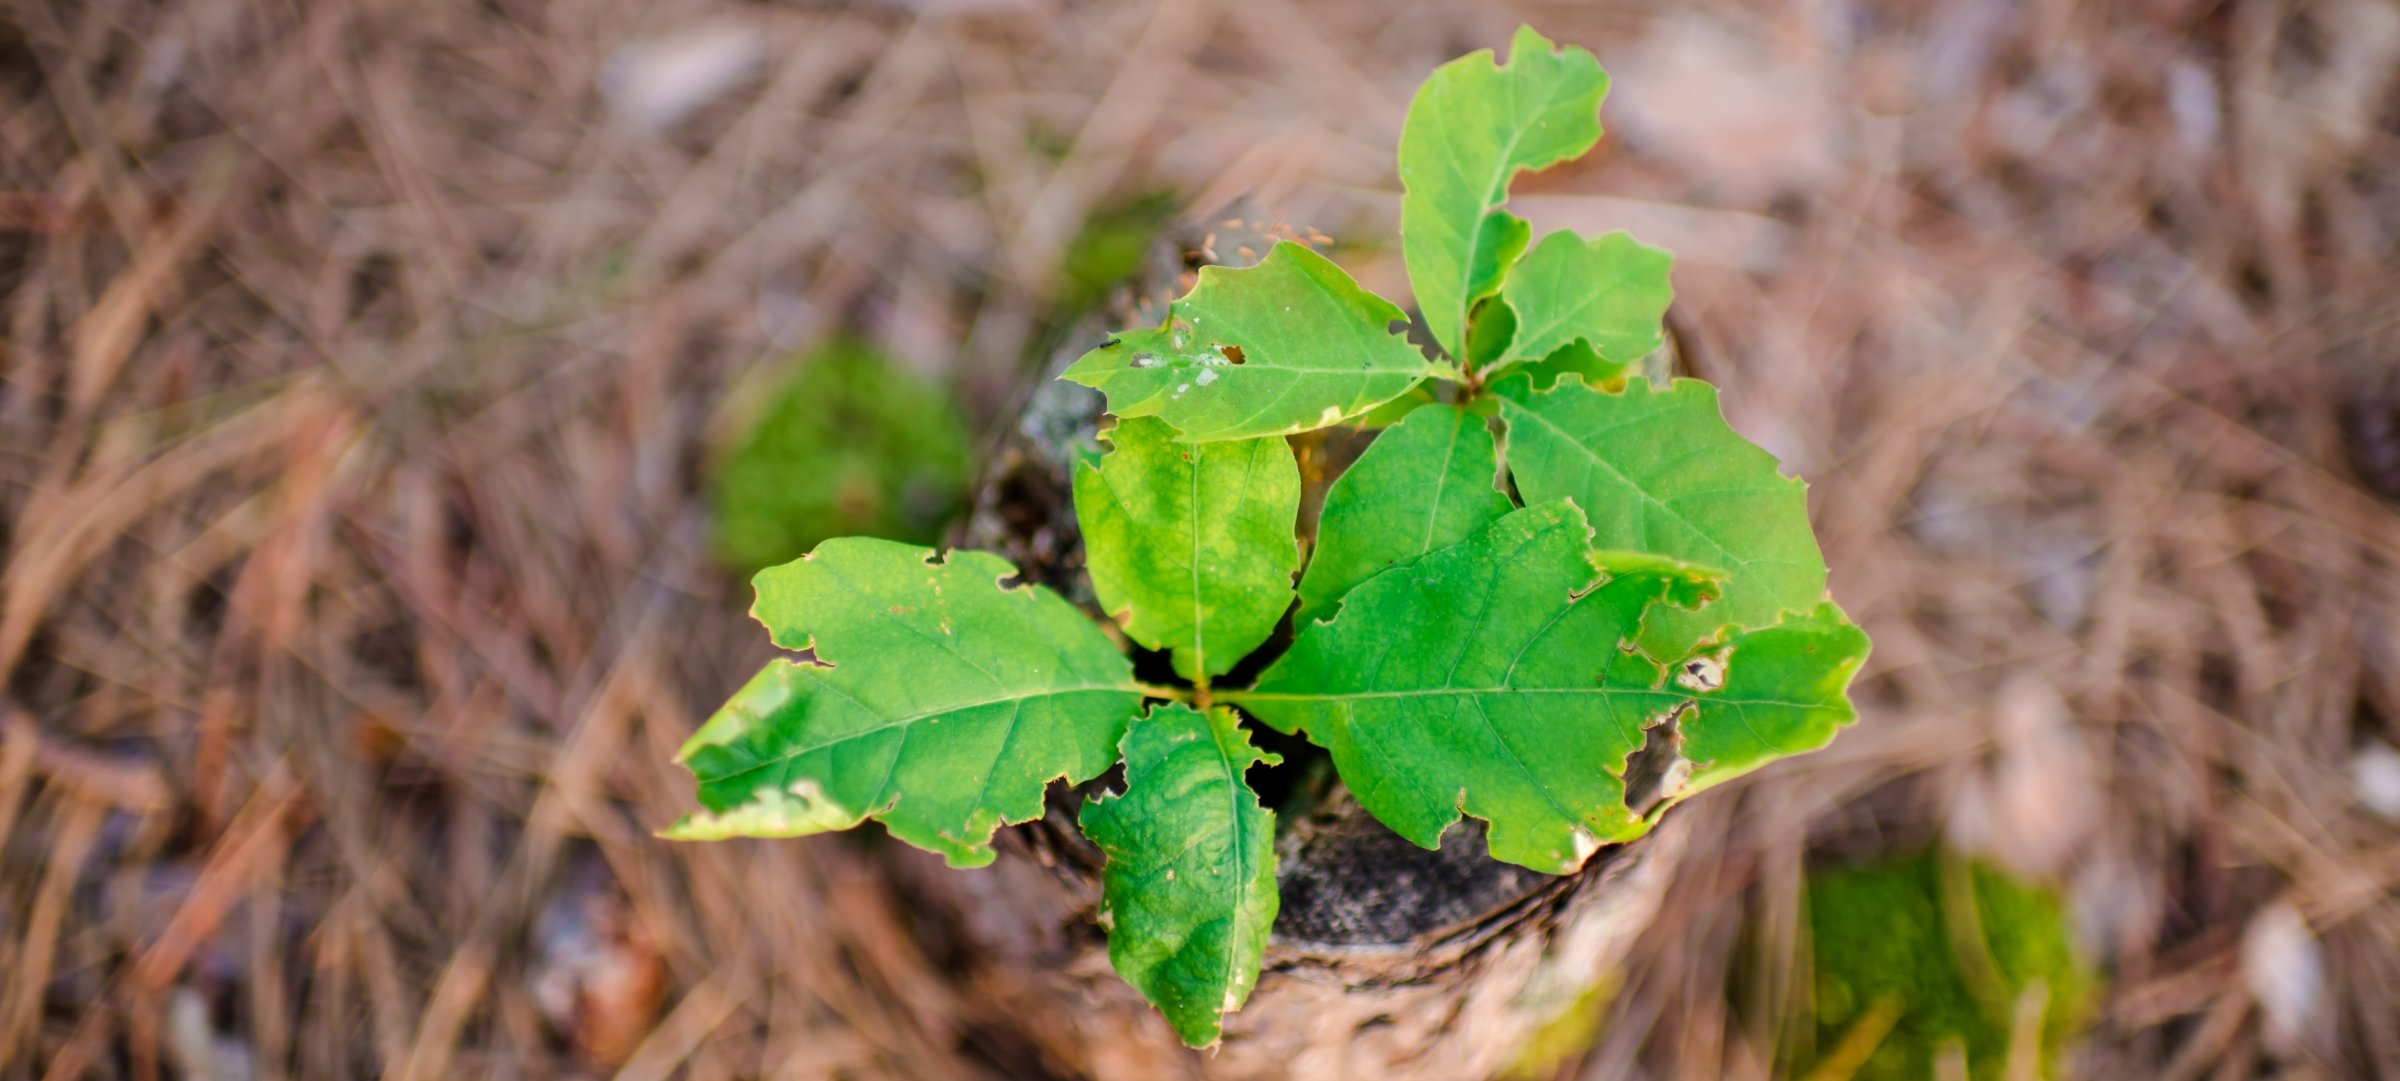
{"x": 1238, "y": 697}
{"x": 1160, "y": 690}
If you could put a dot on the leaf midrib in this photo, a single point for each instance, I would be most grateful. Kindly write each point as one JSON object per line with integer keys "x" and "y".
{"x": 1424, "y": 369}
{"x": 1441, "y": 484}
{"x": 1496, "y": 188}
{"x": 1238, "y": 697}
{"x": 1235, "y": 785}
{"x": 909, "y": 719}
{"x": 1193, "y": 467}
{"x": 1518, "y": 352}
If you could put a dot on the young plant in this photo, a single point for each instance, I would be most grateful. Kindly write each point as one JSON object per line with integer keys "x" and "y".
{"x": 1458, "y": 649}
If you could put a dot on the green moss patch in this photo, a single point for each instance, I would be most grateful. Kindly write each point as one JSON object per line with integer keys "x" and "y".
{"x": 847, "y": 443}
{"x": 1931, "y": 958}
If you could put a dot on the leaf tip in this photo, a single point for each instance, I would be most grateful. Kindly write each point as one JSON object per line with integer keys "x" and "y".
{"x": 800, "y": 811}
{"x": 1527, "y": 41}
{"x": 969, "y": 857}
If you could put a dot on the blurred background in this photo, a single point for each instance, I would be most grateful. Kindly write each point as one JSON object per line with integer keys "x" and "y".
{"x": 394, "y": 397}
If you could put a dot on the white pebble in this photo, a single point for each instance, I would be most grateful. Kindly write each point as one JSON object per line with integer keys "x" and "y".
{"x": 2375, "y": 773}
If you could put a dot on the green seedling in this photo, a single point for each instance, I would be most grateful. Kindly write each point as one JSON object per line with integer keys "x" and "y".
{"x": 1551, "y": 594}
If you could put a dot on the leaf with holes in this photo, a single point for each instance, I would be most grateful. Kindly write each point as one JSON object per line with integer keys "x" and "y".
{"x": 1473, "y": 127}
{"x": 1654, "y": 623}
{"x": 1609, "y": 294}
{"x": 939, "y": 702}
{"x": 1659, "y": 470}
{"x": 1765, "y": 693}
{"x": 1424, "y": 484}
{"x": 1489, "y": 678}
{"x": 1285, "y": 346}
{"x": 1190, "y": 545}
{"x": 1189, "y": 890}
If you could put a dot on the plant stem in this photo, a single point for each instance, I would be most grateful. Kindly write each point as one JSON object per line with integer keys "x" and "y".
{"x": 1160, "y": 690}
{"x": 1237, "y": 697}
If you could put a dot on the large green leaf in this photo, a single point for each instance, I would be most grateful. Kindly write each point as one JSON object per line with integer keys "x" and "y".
{"x": 1659, "y": 470}
{"x": 1285, "y": 346}
{"x": 1190, "y": 545}
{"x": 1610, "y": 293}
{"x": 1189, "y": 889}
{"x": 1473, "y": 126}
{"x": 940, "y": 703}
{"x": 1425, "y": 483}
{"x": 1491, "y": 678}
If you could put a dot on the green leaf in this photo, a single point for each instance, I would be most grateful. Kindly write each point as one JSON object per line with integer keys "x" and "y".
{"x": 940, "y": 703}
{"x": 1473, "y": 127}
{"x": 1491, "y": 678}
{"x": 1392, "y": 412}
{"x": 1190, "y": 545}
{"x": 1610, "y": 294}
{"x": 1488, "y": 333}
{"x": 1285, "y": 346}
{"x": 1784, "y": 688}
{"x": 1189, "y": 890}
{"x": 1660, "y": 471}
{"x": 1581, "y": 361}
{"x": 1423, "y": 484}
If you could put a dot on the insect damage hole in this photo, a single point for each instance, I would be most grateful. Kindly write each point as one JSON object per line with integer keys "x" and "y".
{"x": 1703, "y": 673}
{"x": 1658, "y": 770}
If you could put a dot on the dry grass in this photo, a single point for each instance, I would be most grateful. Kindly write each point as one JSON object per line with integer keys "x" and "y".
{"x": 359, "y": 365}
